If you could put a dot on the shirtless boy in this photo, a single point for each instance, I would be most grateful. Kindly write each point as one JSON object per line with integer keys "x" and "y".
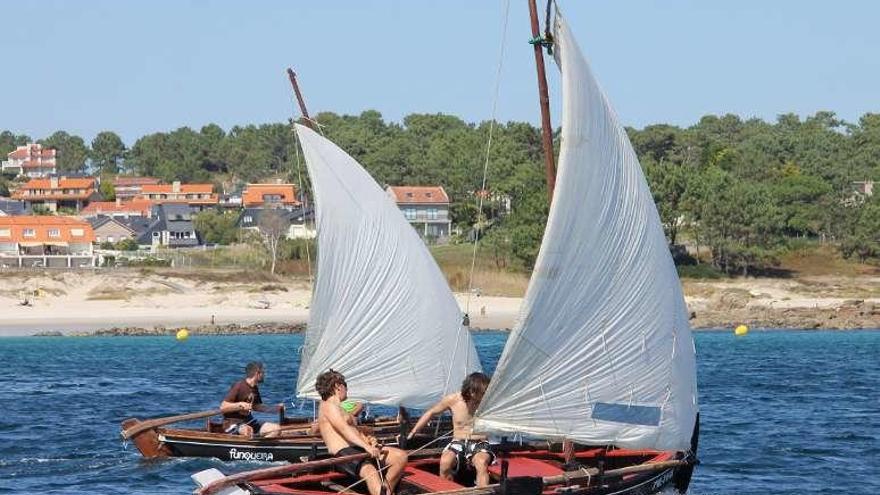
{"x": 466, "y": 447}
{"x": 342, "y": 438}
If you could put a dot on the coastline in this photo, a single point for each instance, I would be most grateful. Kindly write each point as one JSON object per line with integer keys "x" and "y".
{"x": 158, "y": 304}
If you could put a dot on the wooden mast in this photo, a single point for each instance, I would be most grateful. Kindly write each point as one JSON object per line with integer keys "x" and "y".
{"x": 547, "y": 131}
{"x": 302, "y": 104}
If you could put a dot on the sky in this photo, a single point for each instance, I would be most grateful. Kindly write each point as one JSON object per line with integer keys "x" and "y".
{"x": 136, "y": 67}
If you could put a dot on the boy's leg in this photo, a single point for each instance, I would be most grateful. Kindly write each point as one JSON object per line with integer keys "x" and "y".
{"x": 370, "y": 475}
{"x": 395, "y": 459}
{"x": 481, "y": 461}
{"x": 448, "y": 460}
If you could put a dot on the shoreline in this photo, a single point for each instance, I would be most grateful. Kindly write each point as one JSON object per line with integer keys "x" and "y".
{"x": 221, "y": 303}
{"x": 276, "y": 328}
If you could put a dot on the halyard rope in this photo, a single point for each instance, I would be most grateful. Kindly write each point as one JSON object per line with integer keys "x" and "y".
{"x": 482, "y": 190}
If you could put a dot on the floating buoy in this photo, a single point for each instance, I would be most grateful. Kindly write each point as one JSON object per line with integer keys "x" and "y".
{"x": 741, "y": 330}
{"x": 182, "y": 334}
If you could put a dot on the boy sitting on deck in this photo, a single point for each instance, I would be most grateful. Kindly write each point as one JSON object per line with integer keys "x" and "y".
{"x": 343, "y": 439}
{"x": 465, "y": 447}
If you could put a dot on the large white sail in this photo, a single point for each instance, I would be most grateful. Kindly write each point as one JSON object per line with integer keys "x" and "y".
{"x": 602, "y": 353}
{"x": 382, "y": 313}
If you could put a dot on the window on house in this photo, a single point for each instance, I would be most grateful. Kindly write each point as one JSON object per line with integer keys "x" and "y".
{"x": 410, "y": 213}
{"x": 247, "y": 219}
{"x": 409, "y": 195}
{"x": 155, "y": 234}
{"x": 77, "y": 232}
{"x": 432, "y": 213}
{"x": 5, "y": 233}
{"x": 29, "y": 233}
{"x": 54, "y": 233}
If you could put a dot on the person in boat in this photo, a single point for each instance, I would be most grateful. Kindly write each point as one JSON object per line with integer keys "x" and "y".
{"x": 466, "y": 447}
{"x": 351, "y": 408}
{"x": 343, "y": 438}
{"x": 242, "y": 399}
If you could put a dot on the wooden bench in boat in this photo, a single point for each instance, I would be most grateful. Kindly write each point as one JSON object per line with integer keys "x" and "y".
{"x": 524, "y": 466}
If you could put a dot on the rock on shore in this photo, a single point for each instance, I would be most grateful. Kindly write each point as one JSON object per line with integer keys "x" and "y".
{"x": 158, "y": 331}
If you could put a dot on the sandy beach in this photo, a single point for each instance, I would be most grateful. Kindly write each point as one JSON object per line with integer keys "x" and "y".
{"x": 71, "y": 302}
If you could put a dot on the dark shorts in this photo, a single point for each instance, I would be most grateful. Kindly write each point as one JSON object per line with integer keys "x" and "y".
{"x": 465, "y": 450}
{"x": 351, "y": 468}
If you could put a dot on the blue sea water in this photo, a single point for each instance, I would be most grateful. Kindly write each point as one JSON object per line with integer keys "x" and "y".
{"x": 782, "y": 412}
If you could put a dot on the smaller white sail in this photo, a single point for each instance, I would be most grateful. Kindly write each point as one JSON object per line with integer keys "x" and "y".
{"x": 382, "y": 313}
{"x": 602, "y": 353}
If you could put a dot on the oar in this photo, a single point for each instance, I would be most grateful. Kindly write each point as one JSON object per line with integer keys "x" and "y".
{"x": 291, "y": 469}
{"x": 154, "y": 423}
{"x": 259, "y": 474}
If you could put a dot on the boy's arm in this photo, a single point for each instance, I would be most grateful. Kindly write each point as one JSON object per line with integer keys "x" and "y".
{"x": 436, "y": 409}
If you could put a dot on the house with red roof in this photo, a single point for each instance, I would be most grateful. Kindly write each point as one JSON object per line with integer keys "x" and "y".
{"x": 118, "y": 208}
{"x": 426, "y": 208}
{"x": 269, "y": 195}
{"x": 46, "y": 241}
{"x": 126, "y": 188}
{"x": 196, "y": 196}
{"x": 31, "y": 160}
{"x": 55, "y": 192}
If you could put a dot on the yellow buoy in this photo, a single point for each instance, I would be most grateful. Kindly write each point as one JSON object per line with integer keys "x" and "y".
{"x": 741, "y": 330}
{"x": 182, "y": 334}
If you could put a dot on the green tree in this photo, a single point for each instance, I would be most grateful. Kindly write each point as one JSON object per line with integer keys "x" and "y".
{"x": 72, "y": 151}
{"x": 10, "y": 141}
{"x": 217, "y": 227}
{"x": 107, "y": 152}
{"x": 108, "y": 192}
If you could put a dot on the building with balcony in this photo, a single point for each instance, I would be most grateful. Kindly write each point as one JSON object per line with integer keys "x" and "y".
{"x": 426, "y": 208}
{"x": 46, "y": 242}
{"x": 55, "y": 192}
{"x": 129, "y": 187}
{"x": 196, "y": 196}
{"x": 31, "y": 160}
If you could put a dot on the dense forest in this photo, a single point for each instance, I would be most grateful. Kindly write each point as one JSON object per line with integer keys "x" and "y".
{"x": 745, "y": 191}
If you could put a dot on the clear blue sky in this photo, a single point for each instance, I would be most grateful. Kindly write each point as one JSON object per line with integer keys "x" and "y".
{"x": 146, "y": 66}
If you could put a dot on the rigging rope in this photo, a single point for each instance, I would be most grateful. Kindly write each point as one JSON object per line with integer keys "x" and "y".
{"x": 385, "y": 468}
{"x": 305, "y": 213}
{"x": 482, "y": 191}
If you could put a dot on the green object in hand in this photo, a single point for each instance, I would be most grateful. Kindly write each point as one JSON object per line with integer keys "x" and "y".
{"x": 348, "y": 406}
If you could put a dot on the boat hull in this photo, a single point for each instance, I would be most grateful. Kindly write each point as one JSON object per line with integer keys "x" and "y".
{"x": 519, "y": 470}
{"x": 296, "y": 445}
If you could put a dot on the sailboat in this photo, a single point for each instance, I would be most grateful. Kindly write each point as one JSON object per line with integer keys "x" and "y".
{"x": 595, "y": 391}
{"x": 381, "y": 313}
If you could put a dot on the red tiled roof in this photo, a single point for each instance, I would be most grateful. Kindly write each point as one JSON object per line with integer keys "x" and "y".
{"x": 31, "y": 149}
{"x": 63, "y": 183}
{"x": 134, "y": 181}
{"x": 48, "y": 192}
{"x": 36, "y": 164}
{"x": 135, "y": 206}
{"x": 419, "y": 194}
{"x": 42, "y": 225}
{"x": 184, "y": 188}
{"x": 255, "y": 194}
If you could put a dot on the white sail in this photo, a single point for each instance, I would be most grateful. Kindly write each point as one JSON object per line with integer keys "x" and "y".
{"x": 382, "y": 313}
{"x": 602, "y": 352}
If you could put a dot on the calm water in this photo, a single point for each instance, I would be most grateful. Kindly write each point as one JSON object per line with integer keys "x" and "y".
{"x": 783, "y": 412}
